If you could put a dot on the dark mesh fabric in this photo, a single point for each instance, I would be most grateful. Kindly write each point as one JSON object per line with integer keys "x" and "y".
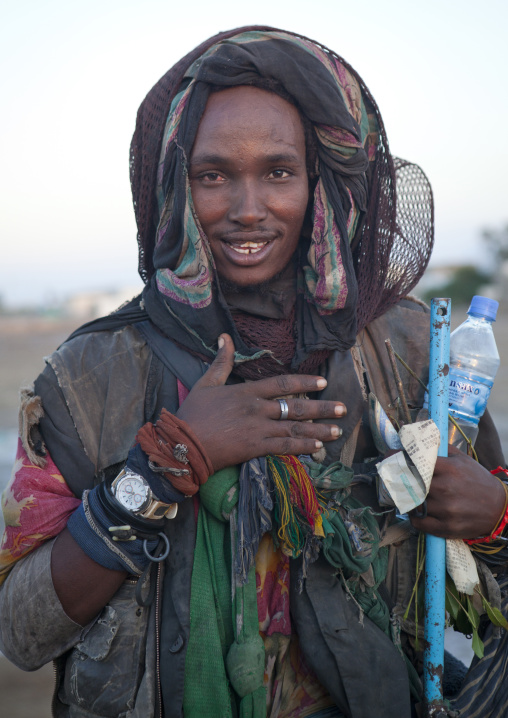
{"x": 146, "y": 145}
{"x": 391, "y": 248}
{"x": 394, "y": 252}
{"x": 278, "y": 336}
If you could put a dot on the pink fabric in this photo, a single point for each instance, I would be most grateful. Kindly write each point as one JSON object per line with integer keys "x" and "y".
{"x": 272, "y": 584}
{"x": 183, "y": 392}
{"x": 36, "y": 506}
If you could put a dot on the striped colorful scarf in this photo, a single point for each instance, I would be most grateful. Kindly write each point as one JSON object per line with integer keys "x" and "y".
{"x": 345, "y": 132}
{"x": 341, "y": 148}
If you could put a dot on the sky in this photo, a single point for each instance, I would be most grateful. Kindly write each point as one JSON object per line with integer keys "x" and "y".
{"x": 74, "y": 73}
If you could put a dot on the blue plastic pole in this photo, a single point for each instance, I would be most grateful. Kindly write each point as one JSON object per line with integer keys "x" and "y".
{"x": 435, "y": 559}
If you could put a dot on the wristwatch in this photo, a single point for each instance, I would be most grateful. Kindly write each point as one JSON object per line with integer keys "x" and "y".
{"x": 134, "y": 494}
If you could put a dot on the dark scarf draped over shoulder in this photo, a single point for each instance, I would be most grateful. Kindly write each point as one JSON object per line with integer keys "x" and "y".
{"x": 372, "y": 217}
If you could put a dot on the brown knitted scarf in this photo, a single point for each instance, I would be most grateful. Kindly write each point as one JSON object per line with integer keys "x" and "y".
{"x": 278, "y": 336}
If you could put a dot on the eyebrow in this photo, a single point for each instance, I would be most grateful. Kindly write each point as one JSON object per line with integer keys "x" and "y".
{"x": 215, "y": 159}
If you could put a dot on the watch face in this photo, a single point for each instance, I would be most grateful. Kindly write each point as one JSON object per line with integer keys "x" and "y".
{"x": 132, "y": 493}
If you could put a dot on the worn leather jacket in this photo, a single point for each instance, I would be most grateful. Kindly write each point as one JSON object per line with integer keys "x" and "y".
{"x": 97, "y": 390}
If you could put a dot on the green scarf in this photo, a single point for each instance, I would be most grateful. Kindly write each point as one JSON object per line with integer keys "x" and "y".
{"x": 225, "y": 659}
{"x": 346, "y": 520}
{"x": 224, "y": 666}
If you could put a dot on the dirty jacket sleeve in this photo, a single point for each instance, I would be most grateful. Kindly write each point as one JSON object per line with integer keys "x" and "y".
{"x": 35, "y": 631}
{"x": 34, "y": 628}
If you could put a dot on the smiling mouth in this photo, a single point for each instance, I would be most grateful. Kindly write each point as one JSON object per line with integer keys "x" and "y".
{"x": 247, "y": 247}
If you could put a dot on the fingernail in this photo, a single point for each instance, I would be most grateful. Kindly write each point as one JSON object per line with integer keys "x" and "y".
{"x": 321, "y": 383}
{"x": 339, "y": 410}
{"x": 318, "y": 444}
{"x": 335, "y": 431}
{"x": 220, "y": 343}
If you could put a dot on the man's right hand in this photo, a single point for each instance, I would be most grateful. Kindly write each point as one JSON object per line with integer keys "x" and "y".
{"x": 238, "y": 422}
{"x": 235, "y": 423}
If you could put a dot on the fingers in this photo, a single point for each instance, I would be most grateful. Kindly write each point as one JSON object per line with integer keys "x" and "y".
{"x": 305, "y": 430}
{"x": 465, "y": 500}
{"x": 291, "y": 446}
{"x": 221, "y": 366}
{"x": 286, "y": 384}
{"x": 430, "y": 525}
{"x": 240, "y": 421}
{"x": 300, "y": 409}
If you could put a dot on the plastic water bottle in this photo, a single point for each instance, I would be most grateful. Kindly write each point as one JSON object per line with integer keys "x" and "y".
{"x": 474, "y": 361}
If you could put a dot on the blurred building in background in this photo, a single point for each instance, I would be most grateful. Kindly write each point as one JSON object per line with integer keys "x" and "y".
{"x": 84, "y": 306}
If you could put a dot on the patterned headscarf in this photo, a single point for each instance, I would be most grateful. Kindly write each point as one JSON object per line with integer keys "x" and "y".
{"x": 353, "y": 211}
{"x": 300, "y": 67}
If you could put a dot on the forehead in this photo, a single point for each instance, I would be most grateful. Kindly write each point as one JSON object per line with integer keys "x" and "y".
{"x": 244, "y": 117}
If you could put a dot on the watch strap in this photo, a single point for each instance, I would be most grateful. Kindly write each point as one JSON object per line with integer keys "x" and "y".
{"x": 120, "y": 516}
{"x": 156, "y": 509}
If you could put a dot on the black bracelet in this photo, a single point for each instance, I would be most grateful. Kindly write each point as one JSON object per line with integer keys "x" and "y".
{"x": 124, "y": 523}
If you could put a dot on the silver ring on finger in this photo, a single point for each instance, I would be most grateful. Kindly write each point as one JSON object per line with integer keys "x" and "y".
{"x": 284, "y": 409}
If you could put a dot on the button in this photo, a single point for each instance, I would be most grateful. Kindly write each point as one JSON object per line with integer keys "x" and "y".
{"x": 177, "y": 644}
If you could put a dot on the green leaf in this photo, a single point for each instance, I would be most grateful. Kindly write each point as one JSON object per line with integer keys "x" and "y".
{"x": 472, "y": 614}
{"x": 452, "y": 604}
{"x": 477, "y": 644}
{"x": 495, "y": 615}
{"x": 450, "y": 585}
{"x": 463, "y": 624}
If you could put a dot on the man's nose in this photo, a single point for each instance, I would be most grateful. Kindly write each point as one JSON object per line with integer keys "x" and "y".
{"x": 248, "y": 204}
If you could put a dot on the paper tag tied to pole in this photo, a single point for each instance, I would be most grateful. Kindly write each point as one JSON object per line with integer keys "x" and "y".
{"x": 408, "y": 483}
{"x": 461, "y": 566}
{"x": 407, "y": 480}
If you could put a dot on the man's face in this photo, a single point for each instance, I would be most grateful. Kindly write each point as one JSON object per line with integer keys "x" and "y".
{"x": 249, "y": 182}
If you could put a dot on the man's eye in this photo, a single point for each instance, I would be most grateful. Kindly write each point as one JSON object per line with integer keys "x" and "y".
{"x": 280, "y": 174}
{"x": 212, "y": 177}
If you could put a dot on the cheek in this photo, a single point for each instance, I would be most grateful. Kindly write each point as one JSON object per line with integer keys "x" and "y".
{"x": 210, "y": 207}
{"x": 292, "y": 208}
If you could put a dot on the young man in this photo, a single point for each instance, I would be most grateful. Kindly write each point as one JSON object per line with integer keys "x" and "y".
{"x": 266, "y": 207}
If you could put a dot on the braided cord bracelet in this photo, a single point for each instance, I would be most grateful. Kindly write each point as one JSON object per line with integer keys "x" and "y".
{"x": 500, "y": 526}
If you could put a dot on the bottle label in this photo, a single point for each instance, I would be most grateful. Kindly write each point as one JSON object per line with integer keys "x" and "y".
{"x": 469, "y": 393}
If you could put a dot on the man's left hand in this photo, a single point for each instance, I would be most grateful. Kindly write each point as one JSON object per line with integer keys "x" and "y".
{"x": 465, "y": 500}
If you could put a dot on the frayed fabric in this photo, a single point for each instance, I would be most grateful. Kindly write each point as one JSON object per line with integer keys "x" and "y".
{"x": 30, "y": 413}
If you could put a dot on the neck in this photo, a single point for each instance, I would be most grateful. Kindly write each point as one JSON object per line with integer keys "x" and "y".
{"x": 273, "y": 299}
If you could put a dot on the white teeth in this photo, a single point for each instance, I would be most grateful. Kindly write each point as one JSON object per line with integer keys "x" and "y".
{"x": 249, "y": 247}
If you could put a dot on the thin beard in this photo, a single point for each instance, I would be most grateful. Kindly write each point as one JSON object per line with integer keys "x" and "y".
{"x": 263, "y": 288}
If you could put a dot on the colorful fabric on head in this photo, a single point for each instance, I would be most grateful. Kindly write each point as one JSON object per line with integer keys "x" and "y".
{"x": 324, "y": 275}
{"x": 185, "y": 298}
{"x": 340, "y": 148}
{"x": 382, "y": 207}
{"x": 191, "y": 281}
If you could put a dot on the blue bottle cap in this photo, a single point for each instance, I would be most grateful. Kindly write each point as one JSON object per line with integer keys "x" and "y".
{"x": 484, "y": 307}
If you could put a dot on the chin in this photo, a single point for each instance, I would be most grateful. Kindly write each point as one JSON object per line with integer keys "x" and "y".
{"x": 230, "y": 286}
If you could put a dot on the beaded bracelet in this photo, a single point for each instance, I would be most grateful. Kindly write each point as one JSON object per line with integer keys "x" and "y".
{"x": 503, "y": 521}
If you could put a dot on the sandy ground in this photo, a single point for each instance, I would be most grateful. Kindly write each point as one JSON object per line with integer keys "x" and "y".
{"x": 23, "y": 343}
{"x": 25, "y": 695}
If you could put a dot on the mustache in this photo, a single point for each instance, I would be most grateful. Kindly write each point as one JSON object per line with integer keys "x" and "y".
{"x": 261, "y": 234}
